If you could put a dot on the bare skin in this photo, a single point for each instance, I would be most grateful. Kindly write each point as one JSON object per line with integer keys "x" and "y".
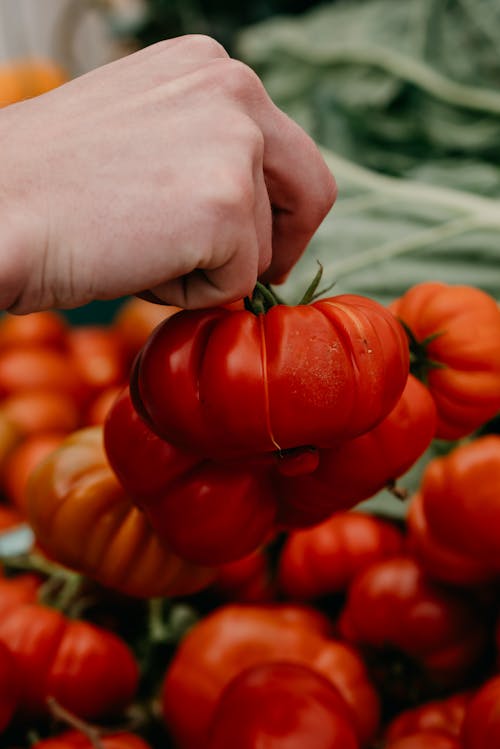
{"x": 170, "y": 170}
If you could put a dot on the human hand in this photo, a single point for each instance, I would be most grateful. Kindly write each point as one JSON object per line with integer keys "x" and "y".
{"x": 169, "y": 170}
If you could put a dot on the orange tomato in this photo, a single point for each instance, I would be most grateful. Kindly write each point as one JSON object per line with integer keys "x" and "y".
{"x": 98, "y": 356}
{"x": 36, "y": 368}
{"x": 83, "y": 519}
{"x": 35, "y": 411}
{"x": 36, "y": 329}
{"x": 23, "y": 460}
{"x": 135, "y": 321}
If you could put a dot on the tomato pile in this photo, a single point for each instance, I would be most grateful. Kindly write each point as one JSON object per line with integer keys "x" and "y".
{"x": 201, "y": 576}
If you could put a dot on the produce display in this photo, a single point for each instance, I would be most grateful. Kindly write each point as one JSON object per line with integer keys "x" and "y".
{"x": 193, "y": 583}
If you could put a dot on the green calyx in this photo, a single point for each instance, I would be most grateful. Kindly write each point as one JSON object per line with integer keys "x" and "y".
{"x": 420, "y": 363}
{"x": 264, "y": 296}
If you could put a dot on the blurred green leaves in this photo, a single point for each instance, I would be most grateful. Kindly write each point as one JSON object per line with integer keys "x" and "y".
{"x": 404, "y": 98}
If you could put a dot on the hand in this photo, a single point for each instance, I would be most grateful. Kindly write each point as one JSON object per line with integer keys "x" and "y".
{"x": 169, "y": 170}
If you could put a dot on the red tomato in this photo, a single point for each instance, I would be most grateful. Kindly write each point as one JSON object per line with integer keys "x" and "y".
{"x": 461, "y": 499}
{"x": 425, "y": 740}
{"x": 88, "y": 670}
{"x": 9, "y": 438}
{"x": 481, "y": 729}
{"x": 37, "y": 368}
{"x": 101, "y": 406}
{"x": 17, "y": 591}
{"x": 326, "y": 558}
{"x": 9, "y": 518}
{"x": 385, "y": 453}
{"x": 23, "y": 461}
{"x": 444, "y": 716}
{"x": 34, "y": 411}
{"x": 281, "y": 704}
{"x": 247, "y": 580}
{"x": 135, "y": 321}
{"x": 225, "y": 382}
{"x": 9, "y": 687}
{"x": 456, "y": 329}
{"x": 47, "y": 329}
{"x": 237, "y": 637}
{"x": 441, "y": 562}
{"x": 392, "y": 603}
{"x": 76, "y": 740}
{"x": 98, "y": 356}
{"x": 207, "y": 512}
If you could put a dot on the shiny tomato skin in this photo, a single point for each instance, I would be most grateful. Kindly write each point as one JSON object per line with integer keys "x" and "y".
{"x": 481, "y": 729}
{"x": 22, "y": 462}
{"x": 386, "y": 452}
{"x": 88, "y": 670}
{"x": 281, "y": 705}
{"x": 441, "y": 562}
{"x": 393, "y": 603}
{"x": 209, "y": 513}
{"x": 230, "y": 382}
{"x": 462, "y": 325}
{"x": 325, "y": 559}
{"x": 236, "y": 637}
{"x": 461, "y": 499}
{"x": 83, "y": 519}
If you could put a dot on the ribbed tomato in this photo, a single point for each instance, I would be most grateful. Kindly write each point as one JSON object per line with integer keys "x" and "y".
{"x": 454, "y": 341}
{"x": 224, "y": 382}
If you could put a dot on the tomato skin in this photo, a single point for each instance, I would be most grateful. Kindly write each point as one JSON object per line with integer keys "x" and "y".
{"x": 385, "y": 452}
{"x": 481, "y": 729}
{"x": 225, "y": 382}
{"x": 248, "y": 580}
{"x": 35, "y": 411}
{"x": 425, "y": 740}
{"x": 444, "y": 716}
{"x": 392, "y": 603}
{"x": 82, "y": 518}
{"x": 461, "y": 499}
{"x": 98, "y": 357}
{"x": 135, "y": 321}
{"x": 37, "y": 368}
{"x": 466, "y": 389}
{"x": 441, "y": 562}
{"x": 325, "y": 559}
{"x": 22, "y": 462}
{"x": 207, "y": 512}
{"x": 17, "y": 591}
{"x": 88, "y": 670}
{"x": 46, "y": 329}
{"x": 280, "y": 704}
{"x": 236, "y": 637}
{"x": 9, "y": 687}
{"x": 76, "y": 740}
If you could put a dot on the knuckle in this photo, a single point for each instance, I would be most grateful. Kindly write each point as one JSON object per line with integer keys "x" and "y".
{"x": 204, "y": 44}
{"x": 240, "y": 81}
{"x": 233, "y": 196}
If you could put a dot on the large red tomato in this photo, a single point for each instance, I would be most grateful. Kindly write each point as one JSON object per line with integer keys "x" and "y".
{"x": 236, "y": 637}
{"x": 281, "y": 704}
{"x": 454, "y": 341}
{"x": 224, "y": 382}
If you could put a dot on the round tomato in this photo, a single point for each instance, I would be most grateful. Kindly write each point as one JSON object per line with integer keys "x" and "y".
{"x": 47, "y": 329}
{"x": 225, "y": 383}
{"x": 444, "y": 716}
{"x": 37, "y": 368}
{"x": 236, "y": 637}
{"x": 461, "y": 499}
{"x": 35, "y": 411}
{"x": 454, "y": 340}
{"x": 281, "y": 704}
{"x": 82, "y": 518}
{"x": 325, "y": 559}
{"x": 392, "y": 604}
{"x": 97, "y": 355}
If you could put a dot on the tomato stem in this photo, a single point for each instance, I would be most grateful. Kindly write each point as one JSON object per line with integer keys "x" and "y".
{"x": 420, "y": 363}
{"x": 92, "y": 732}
